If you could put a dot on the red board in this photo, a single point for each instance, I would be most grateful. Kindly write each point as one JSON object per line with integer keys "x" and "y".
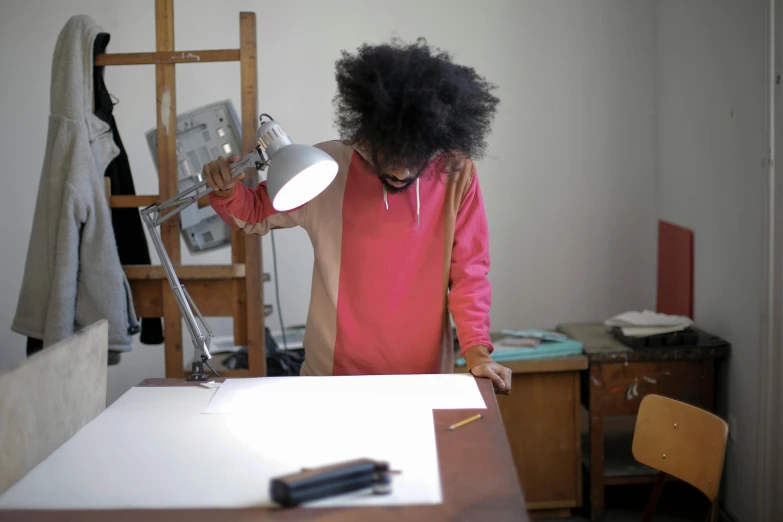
{"x": 675, "y": 270}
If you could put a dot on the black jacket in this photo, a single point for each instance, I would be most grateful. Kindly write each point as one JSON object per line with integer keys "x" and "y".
{"x": 128, "y": 228}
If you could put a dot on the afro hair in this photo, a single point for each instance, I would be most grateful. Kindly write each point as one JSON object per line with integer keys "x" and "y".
{"x": 408, "y": 103}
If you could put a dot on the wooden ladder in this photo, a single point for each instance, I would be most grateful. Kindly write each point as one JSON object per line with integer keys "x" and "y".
{"x": 233, "y": 290}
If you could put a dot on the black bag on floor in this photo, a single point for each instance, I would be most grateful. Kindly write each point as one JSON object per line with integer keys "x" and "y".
{"x": 279, "y": 363}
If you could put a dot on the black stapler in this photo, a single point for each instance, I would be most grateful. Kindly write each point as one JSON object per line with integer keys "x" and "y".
{"x": 327, "y": 481}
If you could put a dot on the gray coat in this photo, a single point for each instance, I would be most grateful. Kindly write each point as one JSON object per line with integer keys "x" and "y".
{"x": 72, "y": 275}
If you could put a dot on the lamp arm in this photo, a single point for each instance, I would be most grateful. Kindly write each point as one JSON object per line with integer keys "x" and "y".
{"x": 153, "y": 217}
{"x": 191, "y": 194}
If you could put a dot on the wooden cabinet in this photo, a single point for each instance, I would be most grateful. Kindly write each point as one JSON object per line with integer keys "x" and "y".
{"x": 542, "y": 421}
{"x": 618, "y": 379}
{"x": 626, "y": 384}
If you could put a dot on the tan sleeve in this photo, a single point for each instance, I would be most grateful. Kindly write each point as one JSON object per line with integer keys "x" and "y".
{"x": 476, "y": 355}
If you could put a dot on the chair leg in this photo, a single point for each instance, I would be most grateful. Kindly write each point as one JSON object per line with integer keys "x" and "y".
{"x": 714, "y": 512}
{"x": 654, "y": 496}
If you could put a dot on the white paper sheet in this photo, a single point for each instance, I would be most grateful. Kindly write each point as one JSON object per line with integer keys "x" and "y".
{"x": 153, "y": 448}
{"x": 360, "y": 393}
{"x": 648, "y": 318}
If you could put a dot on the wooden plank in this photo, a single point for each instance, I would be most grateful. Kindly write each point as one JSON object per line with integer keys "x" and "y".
{"x": 557, "y": 364}
{"x": 168, "y": 57}
{"x": 596, "y": 433}
{"x": 254, "y": 292}
{"x": 212, "y": 297}
{"x": 539, "y": 420}
{"x": 132, "y": 201}
{"x": 147, "y": 297}
{"x": 166, "y": 101}
{"x": 239, "y": 309}
{"x": 186, "y": 272}
{"x": 237, "y": 237}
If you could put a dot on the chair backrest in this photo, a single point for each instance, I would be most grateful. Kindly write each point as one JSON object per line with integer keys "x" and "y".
{"x": 684, "y": 441}
{"x": 50, "y": 396}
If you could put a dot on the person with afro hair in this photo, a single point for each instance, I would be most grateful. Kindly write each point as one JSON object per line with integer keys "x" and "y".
{"x": 400, "y": 236}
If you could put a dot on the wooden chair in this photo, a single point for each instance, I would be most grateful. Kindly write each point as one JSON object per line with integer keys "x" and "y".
{"x": 681, "y": 441}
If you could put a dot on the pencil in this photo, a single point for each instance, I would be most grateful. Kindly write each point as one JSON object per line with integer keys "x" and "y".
{"x": 466, "y": 421}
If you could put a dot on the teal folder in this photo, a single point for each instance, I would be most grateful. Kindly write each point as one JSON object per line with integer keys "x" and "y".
{"x": 545, "y": 350}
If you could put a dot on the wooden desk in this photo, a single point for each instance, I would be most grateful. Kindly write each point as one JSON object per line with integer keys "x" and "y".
{"x": 542, "y": 422}
{"x": 541, "y": 417}
{"x": 477, "y": 477}
{"x": 619, "y": 377}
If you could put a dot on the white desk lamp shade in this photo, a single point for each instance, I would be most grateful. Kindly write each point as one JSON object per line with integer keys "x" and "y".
{"x": 298, "y": 173}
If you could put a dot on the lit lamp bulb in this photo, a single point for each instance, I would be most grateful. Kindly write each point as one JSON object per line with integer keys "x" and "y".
{"x": 295, "y": 173}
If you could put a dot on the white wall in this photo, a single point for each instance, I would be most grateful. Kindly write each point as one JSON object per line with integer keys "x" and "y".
{"x": 569, "y": 176}
{"x": 711, "y": 89}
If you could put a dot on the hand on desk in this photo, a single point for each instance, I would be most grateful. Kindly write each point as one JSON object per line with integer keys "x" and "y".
{"x": 499, "y": 375}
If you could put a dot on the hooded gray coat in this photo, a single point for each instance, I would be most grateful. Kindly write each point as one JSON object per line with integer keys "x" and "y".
{"x": 72, "y": 275}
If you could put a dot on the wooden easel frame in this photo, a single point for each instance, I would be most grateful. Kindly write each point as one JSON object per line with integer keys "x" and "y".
{"x": 219, "y": 290}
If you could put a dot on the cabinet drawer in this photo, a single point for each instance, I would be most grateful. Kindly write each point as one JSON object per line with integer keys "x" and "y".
{"x": 624, "y": 385}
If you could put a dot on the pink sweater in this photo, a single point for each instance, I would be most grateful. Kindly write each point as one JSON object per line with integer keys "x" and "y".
{"x": 384, "y": 281}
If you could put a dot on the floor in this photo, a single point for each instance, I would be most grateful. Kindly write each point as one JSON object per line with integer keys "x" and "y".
{"x": 679, "y": 503}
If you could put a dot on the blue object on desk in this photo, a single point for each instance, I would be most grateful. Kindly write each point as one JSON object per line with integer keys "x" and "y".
{"x": 545, "y": 350}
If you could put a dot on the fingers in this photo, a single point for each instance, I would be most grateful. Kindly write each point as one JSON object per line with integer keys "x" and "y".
{"x": 225, "y": 174}
{"x": 497, "y": 380}
{"x": 212, "y": 173}
{"x": 503, "y": 382}
{"x": 206, "y": 171}
{"x": 507, "y": 378}
{"x": 218, "y": 173}
{"x": 499, "y": 375}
